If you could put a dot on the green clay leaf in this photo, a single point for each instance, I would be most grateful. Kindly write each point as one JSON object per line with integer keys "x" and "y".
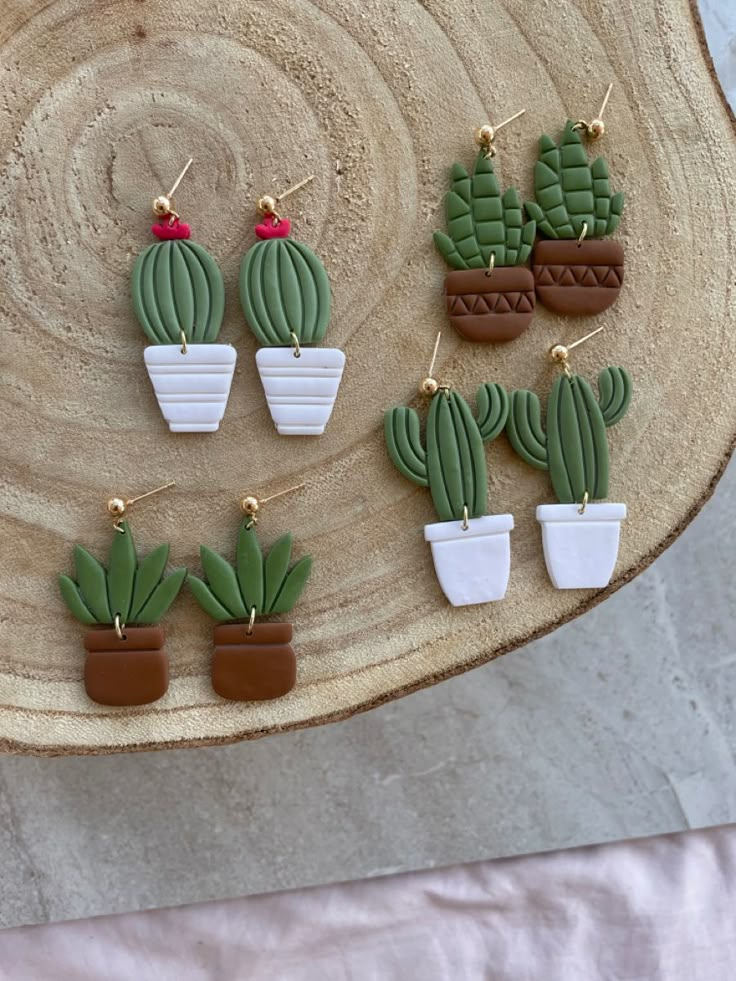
{"x": 404, "y": 443}
{"x": 148, "y": 576}
{"x": 275, "y": 568}
{"x": 615, "y": 388}
{"x": 249, "y": 562}
{"x": 223, "y": 582}
{"x": 493, "y": 410}
{"x": 524, "y": 429}
{"x": 73, "y": 599}
{"x": 162, "y": 597}
{"x": 293, "y": 586}
{"x": 446, "y": 248}
{"x": 461, "y": 182}
{"x": 92, "y": 582}
{"x": 121, "y": 571}
{"x": 207, "y": 600}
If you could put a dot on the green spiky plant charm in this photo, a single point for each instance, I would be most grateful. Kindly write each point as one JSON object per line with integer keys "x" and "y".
{"x": 580, "y": 537}
{"x": 253, "y": 661}
{"x": 179, "y": 299}
{"x": 576, "y": 271}
{"x": 126, "y": 663}
{"x": 470, "y": 548}
{"x": 489, "y": 293}
{"x": 286, "y": 299}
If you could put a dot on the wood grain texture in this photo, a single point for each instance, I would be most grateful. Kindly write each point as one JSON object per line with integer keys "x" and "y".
{"x": 101, "y": 105}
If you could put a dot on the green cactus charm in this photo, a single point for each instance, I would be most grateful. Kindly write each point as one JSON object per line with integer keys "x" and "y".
{"x": 179, "y": 300}
{"x": 580, "y": 537}
{"x": 285, "y": 295}
{"x": 576, "y": 272}
{"x": 490, "y": 295}
{"x": 470, "y": 549}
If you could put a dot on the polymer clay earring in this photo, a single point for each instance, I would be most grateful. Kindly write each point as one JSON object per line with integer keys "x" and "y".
{"x": 126, "y": 663}
{"x": 179, "y": 299}
{"x": 580, "y": 538}
{"x": 576, "y": 271}
{"x": 285, "y": 295}
{"x": 253, "y": 661}
{"x": 471, "y": 549}
{"x": 490, "y": 292}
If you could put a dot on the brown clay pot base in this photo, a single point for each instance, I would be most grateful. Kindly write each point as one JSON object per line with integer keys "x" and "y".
{"x": 131, "y": 671}
{"x": 253, "y": 667}
{"x": 578, "y": 279}
{"x": 487, "y": 308}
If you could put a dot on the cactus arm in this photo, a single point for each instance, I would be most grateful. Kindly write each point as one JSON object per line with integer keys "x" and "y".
{"x": 446, "y": 248}
{"x": 404, "y": 444}
{"x": 614, "y": 387}
{"x": 493, "y": 410}
{"x": 524, "y": 429}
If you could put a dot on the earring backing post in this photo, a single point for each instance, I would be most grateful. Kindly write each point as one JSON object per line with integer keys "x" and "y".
{"x": 156, "y": 490}
{"x": 179, "y": 179}
{"x": 510, "y": 119}
{"x": 296, "y": 187}
{"x": 605, "y": 101}
{"x": 272, "y": 497}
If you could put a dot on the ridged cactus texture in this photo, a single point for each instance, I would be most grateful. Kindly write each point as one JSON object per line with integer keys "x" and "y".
{"x": 178, "y": 287}
{"x": 453, "y": 464}
{"x": 571, "y": 192}
{"x": 575, "y": 447}
{"x": 284, "y": 289}
{"x": 481, "y": 222}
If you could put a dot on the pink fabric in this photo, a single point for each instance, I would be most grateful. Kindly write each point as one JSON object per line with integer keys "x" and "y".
{"x": 658, "y": 909}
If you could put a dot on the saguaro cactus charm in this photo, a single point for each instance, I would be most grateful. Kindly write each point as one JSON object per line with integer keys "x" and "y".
{"x": 580, "y": 538}
{"x": 470, "y": 548}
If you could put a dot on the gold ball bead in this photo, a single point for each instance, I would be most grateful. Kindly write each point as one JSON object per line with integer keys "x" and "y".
{"x": 484, "y": 135}
{"x": 267, "y": 204}
{"x": 596, "y": 129}
{"x": 162, "y": 205}
{"x": 116, "y": 506}
{"x": 429, "y": 387}
{"x": 559, "y": 353}
{"x": 249, "y": 505}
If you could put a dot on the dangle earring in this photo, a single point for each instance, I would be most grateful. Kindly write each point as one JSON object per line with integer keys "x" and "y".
{"x": 285, "y": 295}
{"x": 471, "y": 549}
{"x": 490, "y": 293}
{"x": 179, "y": 299}
{"x": 253, "y": 661}
{"x": 576, "y": 271}
{"x": 580, "y": 538}
{"x": 126, "y": 663}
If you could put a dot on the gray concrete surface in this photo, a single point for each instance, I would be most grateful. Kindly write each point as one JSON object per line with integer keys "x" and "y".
{"x": 620, "y": 724}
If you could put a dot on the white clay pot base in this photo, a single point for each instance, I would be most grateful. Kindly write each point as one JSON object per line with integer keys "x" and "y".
{"x": 193, "y": 388}
{"x": 472, "y": 565}
{"x": 300, "y": 391}
{"x": 580, "y": 549}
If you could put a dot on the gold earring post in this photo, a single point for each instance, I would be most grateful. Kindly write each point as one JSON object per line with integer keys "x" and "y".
{"x": 163, "y": 205}
{"x": 430, "y": 386}
{"x": 251, "y": 504}
{"x": 485, "y": 135}
{"x": 560, "y": 353}
{"x": 118, "y": 506}
{"x": 595, "y": 129}
{"x": 180, "y": 178}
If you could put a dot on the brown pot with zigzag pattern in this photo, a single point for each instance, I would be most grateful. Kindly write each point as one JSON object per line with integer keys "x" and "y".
{"x": 490, "y": 306}
{"x": 578, "y": 278}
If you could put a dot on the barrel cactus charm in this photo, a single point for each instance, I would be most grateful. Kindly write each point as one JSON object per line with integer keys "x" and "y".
{"x": 285, "y": 295}
{"x": 179, "y": 299}
{"x": 580, "y": 538}
{"x": 576, "y": 271}
{"x": 490, "y": 293}
{"x": 471, "y": 549}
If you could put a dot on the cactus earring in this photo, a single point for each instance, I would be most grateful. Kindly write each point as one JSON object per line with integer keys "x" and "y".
{"x": 580, "y": 538}
{"x": 490, "y": 293}
{"x": 253, "y": 661}
{"x": 126, "y": 663}
{"x": 471, "y": 549}
{"x": 179, "y": 299}
{"x": 285, "y": 294}
{"x": 576, "y": 271}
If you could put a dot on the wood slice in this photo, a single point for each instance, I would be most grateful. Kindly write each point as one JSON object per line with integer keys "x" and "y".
{"x": 102, "y": 105}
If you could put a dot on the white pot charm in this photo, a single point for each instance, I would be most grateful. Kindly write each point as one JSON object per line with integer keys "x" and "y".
{"x": 580, "y": 538}
{"x": 285, "y": 294}
{"x": 471, "y": 549}
{"x": 179, "y": 299}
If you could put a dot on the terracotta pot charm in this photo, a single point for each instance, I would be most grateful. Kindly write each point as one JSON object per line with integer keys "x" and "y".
{"x": 471, "y": 549}
{"x": 580, "y": 537}
{"x": 126, "y": 663}
{"x": 576, "y": 271}
{"x": 490, "y": 293}
{"x": 253, "y": 661}
{"x": 285, "y": 295}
